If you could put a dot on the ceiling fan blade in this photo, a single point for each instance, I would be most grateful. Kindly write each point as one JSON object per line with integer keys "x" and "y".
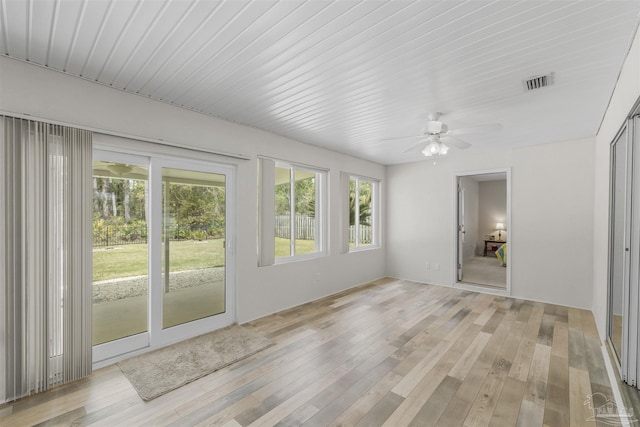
{"x": 413, "y": 146}
{"x": 455, "y": 142}
{"x": 401, "y": 137}
{"x": 476, "y": 129}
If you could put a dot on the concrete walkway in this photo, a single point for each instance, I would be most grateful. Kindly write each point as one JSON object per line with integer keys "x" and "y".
{"x": 120, "y": 306}
{"x": 128, "y": 287}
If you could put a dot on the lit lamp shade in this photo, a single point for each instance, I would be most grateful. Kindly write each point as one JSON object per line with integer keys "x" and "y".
{"x": 434, "y": 147}
{"x": 500, "y": 228}
{"x": 431, "y": 149}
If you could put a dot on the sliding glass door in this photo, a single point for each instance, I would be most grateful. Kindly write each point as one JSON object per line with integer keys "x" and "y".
{"x": 161, "y": 249}
{"x": 120, "y": 248}
{"x": 193, "y": 245}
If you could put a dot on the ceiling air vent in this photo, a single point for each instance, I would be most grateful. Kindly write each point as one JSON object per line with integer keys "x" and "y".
{"x": 538, "y": 82}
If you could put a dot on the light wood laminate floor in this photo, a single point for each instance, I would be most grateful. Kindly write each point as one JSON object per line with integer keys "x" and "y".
{"x": 390, "y": 353}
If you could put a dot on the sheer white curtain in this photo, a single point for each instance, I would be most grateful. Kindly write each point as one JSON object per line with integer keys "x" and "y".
{"x": 46, "y": 250}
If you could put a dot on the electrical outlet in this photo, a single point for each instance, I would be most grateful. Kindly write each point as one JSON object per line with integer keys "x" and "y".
{"x": 436, "y": 267}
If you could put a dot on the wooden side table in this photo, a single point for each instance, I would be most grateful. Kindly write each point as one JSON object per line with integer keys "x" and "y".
{"x": 492, "y": 245}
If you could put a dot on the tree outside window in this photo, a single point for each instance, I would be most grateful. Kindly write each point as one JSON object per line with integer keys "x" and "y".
{"x": 296, "y": 223}
{"x": 361, "y": 206}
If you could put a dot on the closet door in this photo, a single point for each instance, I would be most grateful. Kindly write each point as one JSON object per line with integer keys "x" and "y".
{"x": 624, "y": 251}
{"x": 631, "y": 366}
{"x": 461, "y": 230}
{"x": 618, "y": 250}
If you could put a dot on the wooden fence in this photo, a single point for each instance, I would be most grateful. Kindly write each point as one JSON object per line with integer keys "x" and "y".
{"x": 305, "y": 229}
{"x": 365, "y": 234}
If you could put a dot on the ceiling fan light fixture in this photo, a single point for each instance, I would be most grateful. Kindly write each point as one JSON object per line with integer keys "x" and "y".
{"x": 435, "y": 147}
{"x": 120, "y": 168}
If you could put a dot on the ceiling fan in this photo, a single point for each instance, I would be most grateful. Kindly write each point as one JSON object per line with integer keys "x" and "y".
{"x": 119, "y": 169}
{"x": 113, "y": 170}
{"x": 437, "y": 137}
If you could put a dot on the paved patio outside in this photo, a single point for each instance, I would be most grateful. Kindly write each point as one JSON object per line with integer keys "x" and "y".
{"x": 120, "y": 306}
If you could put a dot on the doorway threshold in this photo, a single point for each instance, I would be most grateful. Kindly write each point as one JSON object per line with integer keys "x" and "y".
{"x": 486, "y": 289}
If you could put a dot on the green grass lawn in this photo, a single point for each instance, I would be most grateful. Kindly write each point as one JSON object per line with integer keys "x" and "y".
{"x": 131, "y": 260}
{"x": 302, "y": 247}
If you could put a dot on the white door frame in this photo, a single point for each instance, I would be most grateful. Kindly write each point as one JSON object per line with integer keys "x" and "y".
{"x": 460, "y": 228}
{"x": 161, "y": 337}
{"x": 456, "y": 234}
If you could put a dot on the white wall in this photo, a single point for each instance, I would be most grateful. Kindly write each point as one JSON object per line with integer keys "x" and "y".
{"x": 492, "y": 208}
{"x": 42, "y": 93}
{"x": 471, "y": 205}
{"x": 626, "y": 92}
{"x": 551, "y": 219}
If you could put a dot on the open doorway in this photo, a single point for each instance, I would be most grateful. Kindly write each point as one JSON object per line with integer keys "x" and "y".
{"x": 482, "y": 232}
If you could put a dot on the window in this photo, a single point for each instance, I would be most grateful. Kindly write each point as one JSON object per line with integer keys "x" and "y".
{"x": 363, "y": 209}
{"x": 291, "y": 211}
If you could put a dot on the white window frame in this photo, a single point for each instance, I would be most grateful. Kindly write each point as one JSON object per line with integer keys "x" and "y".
{"x": 375, "y": 213}
{"x": 266, "y": 235}
{"x": 3, "y": 326}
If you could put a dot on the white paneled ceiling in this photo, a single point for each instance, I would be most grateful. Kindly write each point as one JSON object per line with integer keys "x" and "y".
{"x": 345, "y": 75}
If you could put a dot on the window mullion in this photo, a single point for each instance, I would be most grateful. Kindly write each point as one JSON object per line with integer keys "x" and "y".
{"x": 292, "y": 214}
{"x": 316, "y": 222}
{"x": 374, "y": 213}
{"x": 356, "y": 202}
